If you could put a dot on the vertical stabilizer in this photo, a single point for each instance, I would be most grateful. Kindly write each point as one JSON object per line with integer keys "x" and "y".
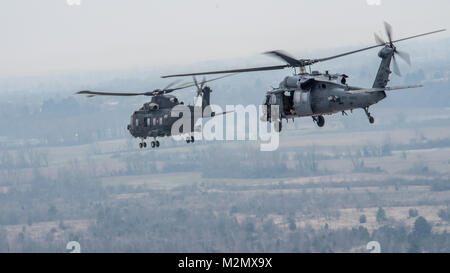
{"x": 206, "y": 95}
{"x": 384, "y": 71}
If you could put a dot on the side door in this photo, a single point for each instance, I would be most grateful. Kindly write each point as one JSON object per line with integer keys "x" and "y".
{"x": 302, "y": 103}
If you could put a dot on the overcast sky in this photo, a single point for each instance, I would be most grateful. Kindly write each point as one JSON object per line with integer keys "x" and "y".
{"x": 40, "y": 37}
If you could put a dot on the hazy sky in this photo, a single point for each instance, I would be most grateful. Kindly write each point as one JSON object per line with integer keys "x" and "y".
{"x": 50, "y": 35}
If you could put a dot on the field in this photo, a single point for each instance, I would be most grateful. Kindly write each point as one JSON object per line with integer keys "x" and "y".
{"x": 328, "y": 179}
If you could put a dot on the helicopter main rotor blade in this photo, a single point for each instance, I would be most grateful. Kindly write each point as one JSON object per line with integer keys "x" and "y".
{"x": 370, "y": 47}
{"x": 253, "y": 69}
{"x": 284, "y": 56}
{"x": 154, "y": 92}
{"x": 344, "y": 54}
{"x": 301, "y": 62}
{"x": 218, "y": 78}
{"x": 292, "y": 62}
{"x": 171, "y": 84}
{"x": 423, "y": 34}
{"x": 95, "y": 93}
{"x": 205, "y": 81}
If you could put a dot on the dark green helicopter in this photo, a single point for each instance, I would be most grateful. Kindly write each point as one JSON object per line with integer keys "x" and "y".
{"x": 154, "y": 118}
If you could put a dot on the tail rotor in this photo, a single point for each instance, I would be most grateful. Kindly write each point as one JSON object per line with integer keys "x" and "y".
{"x": 199, "y": 88}
{"x": 403, "y": 55}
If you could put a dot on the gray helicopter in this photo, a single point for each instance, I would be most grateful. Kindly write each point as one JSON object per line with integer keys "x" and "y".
{"x": 154, "y": 119}
{"x": 316, "y": 94}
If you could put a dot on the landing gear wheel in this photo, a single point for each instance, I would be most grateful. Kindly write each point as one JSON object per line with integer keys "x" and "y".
{"x": 192, "y": 139}
{"x": 371, "y": 119}
{"x": 153, "y": 144}
{"x": 188, "y": 140}
{"x": 320, "y": 121}
{"x": 141, "y": 145}
{"x": 144, "y": 144}
{"x": 157, "y": 143}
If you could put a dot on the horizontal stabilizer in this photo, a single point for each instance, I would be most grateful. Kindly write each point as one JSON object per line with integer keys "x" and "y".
{"x": 389, "y": 88}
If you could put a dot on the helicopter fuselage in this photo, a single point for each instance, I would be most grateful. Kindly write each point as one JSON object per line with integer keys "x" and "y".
{"x": 154, "y": 118}
{"x": 158, "y": 117}
{"x": 317, "y": 94}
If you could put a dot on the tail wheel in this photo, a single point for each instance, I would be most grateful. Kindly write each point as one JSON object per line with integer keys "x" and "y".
{"x": 320, "y": 121}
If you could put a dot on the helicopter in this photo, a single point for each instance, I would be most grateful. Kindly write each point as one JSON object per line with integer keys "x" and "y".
{"x": 154, "y": 118}
{"x": 316, "y": 94}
